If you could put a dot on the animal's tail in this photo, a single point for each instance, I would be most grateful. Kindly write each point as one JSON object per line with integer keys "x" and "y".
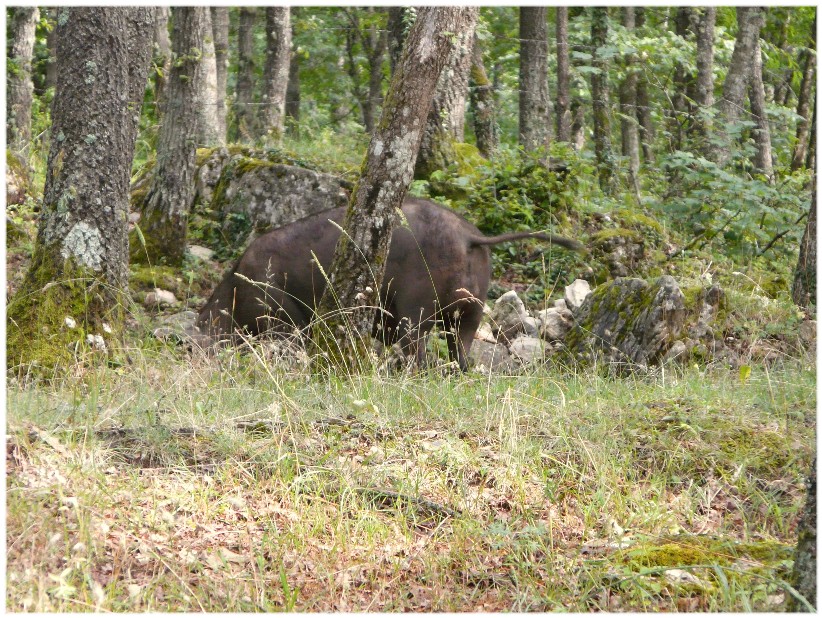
{"x": 567, "y": 243}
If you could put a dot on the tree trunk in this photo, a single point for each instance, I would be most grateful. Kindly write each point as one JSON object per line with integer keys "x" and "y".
{"x": 245, "y": 129}
{"x": 810, "y": 160}
{"x": 601, "y": 103}
{"x": 375, "y": 44}
{"x": 397, "y": 31}
{"x": 482, "y": 103}
{"x": 79, "y": 269}
{"x": 704, "y": 88}
{"x": 164, "y": 222}
{"x": 20, "y": 88}
{"x": 219, "y": 27}
{"x": 206, "y": 100}
{"x": 162, "y": 57}
{"x": 563, "y": 105}
{"x": 534, "y": 121}
{"x": 292, "y": 93}
{"x": 358, "y": 266}
{"x": 804, "y": 564}
{"x": 763, "y": 161}
{"x": 51, "y": 43}
{"x": 679, "y": 112}
{"x": 446, "y": 117}
{"x": 627, "y": 104}
{"x": 646, "y": 123}
{"x": 804, "y": 101}
{"x": 734, "y": 88}
{"x": 277, "y": 60}
{"x": 803, "y": 290}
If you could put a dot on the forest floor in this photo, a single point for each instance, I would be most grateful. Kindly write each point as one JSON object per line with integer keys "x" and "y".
{"x": 186, "y": 483}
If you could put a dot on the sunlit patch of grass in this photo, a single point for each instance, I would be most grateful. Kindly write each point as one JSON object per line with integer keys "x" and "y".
{"x": 233, "y": 483}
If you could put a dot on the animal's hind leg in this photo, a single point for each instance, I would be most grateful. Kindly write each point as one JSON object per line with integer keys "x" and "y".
{"x": 459, "y": 334}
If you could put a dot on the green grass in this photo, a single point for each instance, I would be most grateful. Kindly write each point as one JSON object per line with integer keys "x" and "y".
{"x": 233, "y": 484}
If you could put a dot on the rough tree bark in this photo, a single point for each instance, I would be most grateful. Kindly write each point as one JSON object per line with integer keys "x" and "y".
{"x": 164, "y": 222}
{"x": 804, "y": 564}
{"x": 219, "y": 27}
{"x": 20, "y": 88}
{"x": 356, "y": 272}
{"x": 51, "y": 43}
{"x": 292, "y": 93}
{"x": 601, "y": 103}
{"x": 563, "y": 104}
{"x": 534, "y": 104}
{"x": 804, "y": 102}
{"x": 704, "y": 86}
{"x": 646, "y": 123}
{"x": 244, "y": 126}
{"x": 162, "y": 57}
{"x": 627, "y": 103}
{"x": 446, "y": 118}
{"x": 482, "y": 103}
{"x": 803, "y": 289}
{"x": 206, "y": 99}
{"x": 732, "y": 102}
{"x": 763, "y": 161}
{"x": 277, "y": 60}
{"x": 79, "y": 269}
{"x": 374, "y": 42}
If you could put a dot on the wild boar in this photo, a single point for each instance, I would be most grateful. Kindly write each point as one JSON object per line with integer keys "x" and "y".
{"x": 438, "y": 271}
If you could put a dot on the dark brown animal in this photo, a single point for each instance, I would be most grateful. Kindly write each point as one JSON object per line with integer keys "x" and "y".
{"x": 438, "y": 271}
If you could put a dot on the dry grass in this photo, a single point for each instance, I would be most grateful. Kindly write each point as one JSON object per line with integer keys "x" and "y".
{"x": 230, "y": 485}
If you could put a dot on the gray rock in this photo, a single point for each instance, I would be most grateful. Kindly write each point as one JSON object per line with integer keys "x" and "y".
{"x": 628, "y": 322}
{"x": 530, "y": 326}
{"x": 678, "y": 352}
{"x": 556, "y": 323}
{"x": 508, "y": 316}
{"x": 272, "y": 195}
{"x": 485, "y": 333}
{"x": 528, "y": 350}
{"x": 561, "y": 304}
{"x": 492, "y": 357}
{"x": 160, "y": 298}
{"x": 576, "y": 293}
{"x": 202, "y": 253}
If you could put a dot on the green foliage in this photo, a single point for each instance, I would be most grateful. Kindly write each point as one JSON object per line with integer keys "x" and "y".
{"x": 735, "y": 213}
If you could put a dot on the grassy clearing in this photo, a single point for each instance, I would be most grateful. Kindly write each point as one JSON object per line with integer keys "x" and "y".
{"x": 185, "y": 484}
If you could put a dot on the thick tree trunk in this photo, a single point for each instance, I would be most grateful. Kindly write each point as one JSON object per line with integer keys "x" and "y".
{"x": 563, "y": 105}
{"x": 601, "y": 103}
{"x": 357, "y": 270}
{"x": 206, "y": 100}
{"x": 245, "y": 126}
{"x": 646, "y": 123}
{"x": 763, "y": 161}
{"x": 482, "y": 103}
{"x": 79, "y": 269}
{"x": 803, "y": 290}
{"x": 162, "y": 57}
{"x": 732, "y": 102}
{"x": 446, "y": 117}
{"x": 292, "y": 93}
{"x": 277, "y": 60}
{"x": 164, "y": 222}
{"x": 627, "y": 104}
{"x": 804, "y": 564}
{"x": 704, "y": 87}
{"x": 803, "y": 105}
{"x": 219, "y": 27}
{"x": 534, "y": 104}
{"x": 810, "y": 160}
{"x": 20, "y": 88}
